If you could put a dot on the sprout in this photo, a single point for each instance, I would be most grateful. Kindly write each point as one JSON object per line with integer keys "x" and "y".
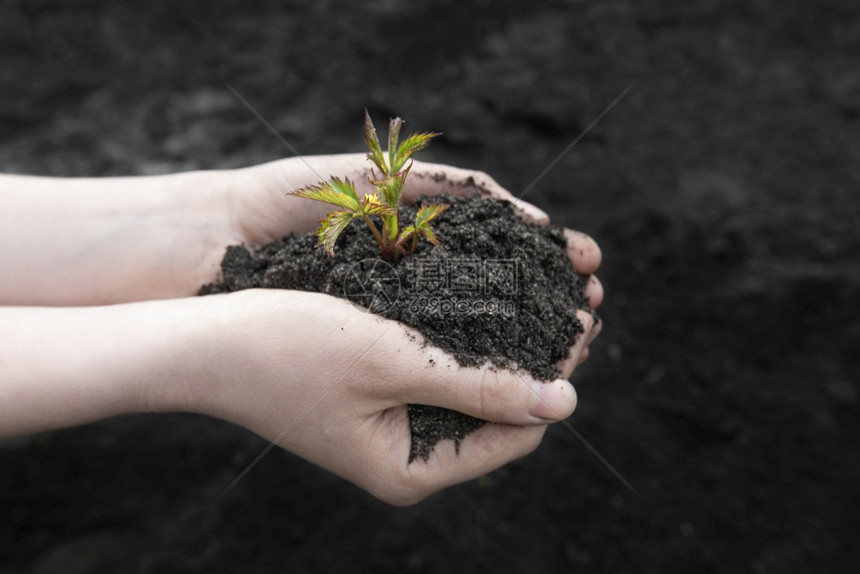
{"x": 389, "y": 184}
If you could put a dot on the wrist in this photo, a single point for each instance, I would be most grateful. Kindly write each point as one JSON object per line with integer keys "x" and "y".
{"x": 167, "y": 353}
{"x": 221, "y": 345}
{"x": 197, "y": 217}
{"x": 96, "y": 241}
{"x": 104, "y": 361}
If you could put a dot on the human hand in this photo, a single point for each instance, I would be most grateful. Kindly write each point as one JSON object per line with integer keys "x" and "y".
{"x": 330, "y": 383}
{"x": 160, "y": 237}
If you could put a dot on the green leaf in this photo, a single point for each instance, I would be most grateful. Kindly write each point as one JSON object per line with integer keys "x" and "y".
{"x": 343, "y": 186}
{"x": 372, "y": 142}
{"x": 394, "y": 126}
{"x": 336, "y": 192}
{"x": 429, "y": 212}
{"x": 423, "y": 218}
{"x": 372, "y": 205}
{"x": 429, "y": 234}
{"x": 331, "y": 228}
{"x": 407, "y": 232}
{"x": 410, "y": 145}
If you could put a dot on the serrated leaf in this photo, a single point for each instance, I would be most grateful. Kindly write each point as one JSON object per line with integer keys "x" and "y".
{"x": 423, "y": 218}
{"x": 331, "y": 228}
{"x": 344, "y": 186}
{"x": 409, "y": 147}
{"x": 429, "y": 212}
{"x": 394, "y": 126}
{"x": 428, "y": 233}
{"x": 375, "y": 155}
{"x": 336, "y": 192}
{"x": 372, "y": 205}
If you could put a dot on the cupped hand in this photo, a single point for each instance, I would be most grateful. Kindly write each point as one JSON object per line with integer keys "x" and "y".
{"x": 330, "y": 382}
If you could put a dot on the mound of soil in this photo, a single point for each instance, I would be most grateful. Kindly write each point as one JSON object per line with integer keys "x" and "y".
{"x": 496, "y": 289}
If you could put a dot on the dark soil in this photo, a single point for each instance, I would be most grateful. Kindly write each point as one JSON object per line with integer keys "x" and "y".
{"x": 722, "y": 189}
{"x": 497, "y": 290}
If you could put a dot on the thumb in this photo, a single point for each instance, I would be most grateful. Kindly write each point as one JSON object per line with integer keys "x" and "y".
{"x": 493, "y": 394}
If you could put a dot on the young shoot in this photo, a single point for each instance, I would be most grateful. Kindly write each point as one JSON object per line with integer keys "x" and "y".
{"x": 394, "y": 165}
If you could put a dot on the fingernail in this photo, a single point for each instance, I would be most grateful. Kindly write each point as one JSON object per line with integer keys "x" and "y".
{"x": 556, "y": 400}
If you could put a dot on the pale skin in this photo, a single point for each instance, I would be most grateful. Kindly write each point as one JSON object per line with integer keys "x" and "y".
{"x": 99, "y": 319}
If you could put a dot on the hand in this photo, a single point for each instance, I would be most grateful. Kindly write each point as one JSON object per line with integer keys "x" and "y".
{"x": 161, "y": 237}
{"x": 306, "y": 370}
{"x": 331, "y": 383}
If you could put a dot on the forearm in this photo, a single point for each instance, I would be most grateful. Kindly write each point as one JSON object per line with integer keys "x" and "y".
{"x": 99, "y": 241}
{"x": 67, "y": 366}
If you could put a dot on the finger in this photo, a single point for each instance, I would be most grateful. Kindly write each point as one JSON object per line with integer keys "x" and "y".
{"x": 489, "y": 393}
{"x": 432, "y": 178}
{"x": 583, "y": 251}
{"x": 594, "y": 291}
{"x": 583, "y": 356}
{"x": 595, "y": 331}
{"x": 582, "y": 341}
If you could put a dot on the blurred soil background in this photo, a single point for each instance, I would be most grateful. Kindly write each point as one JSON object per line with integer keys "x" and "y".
{"x": 723, "y": 189}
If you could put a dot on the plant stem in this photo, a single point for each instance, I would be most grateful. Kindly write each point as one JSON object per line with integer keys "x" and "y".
{"x": 395, "y": 227}
{"x": 383, "y": 245}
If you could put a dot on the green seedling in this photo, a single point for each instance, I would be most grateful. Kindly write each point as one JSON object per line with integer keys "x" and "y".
{"x": 394, "y": 167}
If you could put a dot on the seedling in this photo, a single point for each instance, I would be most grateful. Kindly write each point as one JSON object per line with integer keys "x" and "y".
{"x": 389, "y": 184}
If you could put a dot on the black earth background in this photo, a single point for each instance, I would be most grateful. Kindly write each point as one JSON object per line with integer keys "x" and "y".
{"x": 723, "y": 189}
